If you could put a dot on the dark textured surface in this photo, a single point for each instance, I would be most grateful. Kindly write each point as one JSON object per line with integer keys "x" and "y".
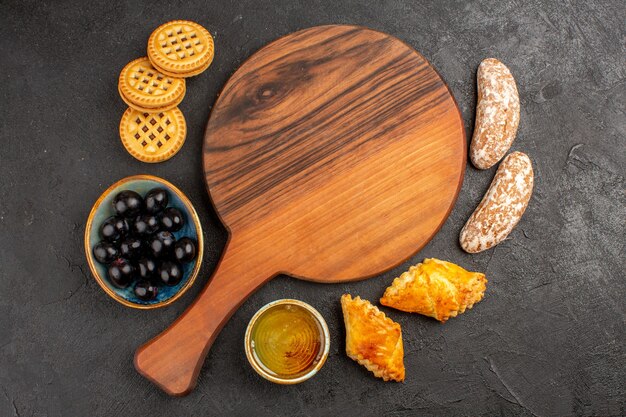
{"x": 548, "y": 339}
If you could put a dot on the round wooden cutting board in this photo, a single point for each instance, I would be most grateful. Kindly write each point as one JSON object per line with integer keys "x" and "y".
{"x": 332, "y": 154}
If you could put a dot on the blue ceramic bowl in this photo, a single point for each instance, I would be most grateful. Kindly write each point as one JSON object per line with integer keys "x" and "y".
{"x": 103, "y": 209}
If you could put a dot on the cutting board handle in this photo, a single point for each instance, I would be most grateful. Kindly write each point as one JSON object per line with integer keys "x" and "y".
{"x": 173, "y": 359}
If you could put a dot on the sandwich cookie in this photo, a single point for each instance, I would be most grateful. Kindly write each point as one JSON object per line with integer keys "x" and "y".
{"x": 153, "y": 137}
{"x": 146, "y": 89}
{"x": 181, "y": 48}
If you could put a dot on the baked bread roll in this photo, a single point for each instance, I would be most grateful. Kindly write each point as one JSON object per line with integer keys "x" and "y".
{"x": 502, "y": 206}
{"x": 497, "y": 114}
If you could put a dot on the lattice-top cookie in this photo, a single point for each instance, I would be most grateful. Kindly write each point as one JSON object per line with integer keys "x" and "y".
{"x": 145, "y": 88}
{"x": 181, "y": 48}
{"x": 153, "y": 137}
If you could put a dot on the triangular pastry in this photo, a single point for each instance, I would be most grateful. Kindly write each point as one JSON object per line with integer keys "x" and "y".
{"x": 435, "y": 288}
{"x": 373, "y": 339}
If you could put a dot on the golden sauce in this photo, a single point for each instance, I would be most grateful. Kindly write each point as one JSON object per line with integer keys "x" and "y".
{"x": 287, "y": 341}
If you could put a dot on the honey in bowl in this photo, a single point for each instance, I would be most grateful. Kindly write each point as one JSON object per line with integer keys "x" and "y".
{"x": 287, "y": 341}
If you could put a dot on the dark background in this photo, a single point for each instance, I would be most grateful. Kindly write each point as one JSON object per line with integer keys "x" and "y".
{"x": 547, "y": 340}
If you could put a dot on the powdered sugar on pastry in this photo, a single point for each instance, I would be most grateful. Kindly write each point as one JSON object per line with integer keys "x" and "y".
{"x": 502, "y": 206}
{"x": 497, "y": 114}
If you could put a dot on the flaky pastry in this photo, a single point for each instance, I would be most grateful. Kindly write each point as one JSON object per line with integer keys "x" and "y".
{"x": 373, "y": 339}
{"x": 436, "y": 289}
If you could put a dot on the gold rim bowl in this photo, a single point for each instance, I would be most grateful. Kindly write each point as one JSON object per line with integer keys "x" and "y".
{"x": 103, "y": 209}
{"x": 261, "y": 369}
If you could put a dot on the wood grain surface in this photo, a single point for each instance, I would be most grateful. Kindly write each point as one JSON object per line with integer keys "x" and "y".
{"x": 332, "y": 154}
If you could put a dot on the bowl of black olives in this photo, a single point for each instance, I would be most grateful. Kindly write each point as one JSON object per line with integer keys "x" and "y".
{"x": 143, "y": 242}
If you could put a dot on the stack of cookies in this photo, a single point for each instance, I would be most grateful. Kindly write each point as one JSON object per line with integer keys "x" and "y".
{"x": 153, "y": 129}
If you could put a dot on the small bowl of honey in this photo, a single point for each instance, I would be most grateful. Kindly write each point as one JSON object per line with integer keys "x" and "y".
{"x": 287, "y": 341}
